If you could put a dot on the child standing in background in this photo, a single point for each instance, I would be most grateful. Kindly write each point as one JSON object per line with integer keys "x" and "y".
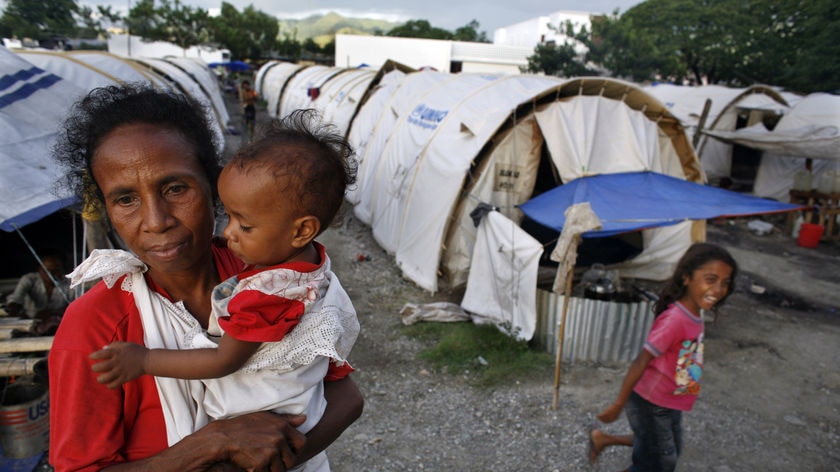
{"x": 664, "y": 379}
{"x": 248, "y": 99}
{"x": 285, "y": 322}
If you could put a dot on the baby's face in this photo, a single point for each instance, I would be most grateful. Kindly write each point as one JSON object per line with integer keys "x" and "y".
{"x": 262, "y": 224}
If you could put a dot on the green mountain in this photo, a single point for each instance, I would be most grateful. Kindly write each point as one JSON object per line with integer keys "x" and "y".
{"x": 323, "y": 28}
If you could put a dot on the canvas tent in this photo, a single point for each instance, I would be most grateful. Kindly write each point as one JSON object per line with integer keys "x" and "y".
{"x": 432, "y": 145}
{"x": 91, "y": 69}
{"x": 809, "y": 130}
{"x": 271, "y": 81}
{"x": 729, "y": 109}
{"x": 33, "y": 103}
{"x": 206, "y": 91}
{"x": 37, "y": 96}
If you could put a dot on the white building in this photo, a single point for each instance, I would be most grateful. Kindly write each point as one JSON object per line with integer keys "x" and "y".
{"x": 441, "y": 55}
{"x": 536, "y": 30}
{"x": 135, "y": 46}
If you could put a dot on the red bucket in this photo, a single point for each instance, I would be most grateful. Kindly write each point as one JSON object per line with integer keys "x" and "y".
{"x": 810, "y": 234}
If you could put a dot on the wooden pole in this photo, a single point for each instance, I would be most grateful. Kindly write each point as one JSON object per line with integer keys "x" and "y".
{"x": 560, "y": 333}
{"x": 15, "y": 367}
{"x": 34, "y": 344}
{"x": 702, "y": 123}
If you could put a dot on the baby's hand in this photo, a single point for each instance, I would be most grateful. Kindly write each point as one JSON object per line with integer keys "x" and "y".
{"x": 119, "y": 362}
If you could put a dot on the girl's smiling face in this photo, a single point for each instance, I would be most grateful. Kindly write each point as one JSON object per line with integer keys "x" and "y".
{"x": 707, "y": 286}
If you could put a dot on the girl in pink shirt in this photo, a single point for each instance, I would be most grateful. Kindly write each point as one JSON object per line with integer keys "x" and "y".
{"x": 664, "y": 379}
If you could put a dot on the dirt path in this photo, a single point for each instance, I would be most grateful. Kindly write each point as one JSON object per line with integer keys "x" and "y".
{"x": 770, "y": 401}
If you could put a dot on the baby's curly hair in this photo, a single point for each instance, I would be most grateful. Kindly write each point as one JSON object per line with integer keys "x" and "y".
{"x": 311, "y": 159}
{"x": 104, "y": 109}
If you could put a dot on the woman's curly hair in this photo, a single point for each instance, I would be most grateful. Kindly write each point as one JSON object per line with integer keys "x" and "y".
{"x": 104, "y": 109}
{"x": 696, "y": 256}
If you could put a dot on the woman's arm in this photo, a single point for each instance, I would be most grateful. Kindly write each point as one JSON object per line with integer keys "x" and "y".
{"x": 634, "y": 373}
{"x": 344, "y": 406}
{"x": 259, "y": 441}
{"x": 256, "y": 441}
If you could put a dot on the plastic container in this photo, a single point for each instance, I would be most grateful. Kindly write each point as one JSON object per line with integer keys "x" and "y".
{"x": 809, "y": 235}
{"x": 825, "y": 183}
{"x": 802, "y": 181}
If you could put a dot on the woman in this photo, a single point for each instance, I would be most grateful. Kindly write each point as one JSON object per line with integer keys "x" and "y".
{"x": 151, "y": 160}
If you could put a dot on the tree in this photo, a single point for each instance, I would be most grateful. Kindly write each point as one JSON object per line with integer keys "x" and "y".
{"x": 173, "y": 22}
{"x": 419, "y": 29}
{"x": 797, "y": 46}
{"x": 564, "y": 59}
{"x": 142, "y": 19}
{"x": 40, "y": 20}
{"x": 289, "y": 47}
{"x": 251, "y": 34}
{"x": 183, "y": 25}
{"x": 790, "y": 43}
{"x": 469, "y": 32}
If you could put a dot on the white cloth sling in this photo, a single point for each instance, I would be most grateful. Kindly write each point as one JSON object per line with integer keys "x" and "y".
{"x": 164, "y": 325}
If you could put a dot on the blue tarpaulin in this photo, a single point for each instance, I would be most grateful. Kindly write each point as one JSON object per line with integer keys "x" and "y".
{"x": 233, "y": 66}
{"x": 634, "y": 201}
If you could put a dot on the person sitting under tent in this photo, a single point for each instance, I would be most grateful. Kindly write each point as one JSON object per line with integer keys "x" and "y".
{"x": 42, "y": 295}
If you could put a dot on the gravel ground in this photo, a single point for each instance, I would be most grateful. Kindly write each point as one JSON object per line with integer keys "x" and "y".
{"x": 771, "y": 398}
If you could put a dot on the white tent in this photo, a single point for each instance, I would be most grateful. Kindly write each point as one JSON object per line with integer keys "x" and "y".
{"x": 431, "y": 146}
{"x": 302, "y": 88}
{"x": 271, "y": 82}
{"x": 91, "y": 69}
{"x": 729, "y": 109}
{"x": 340, "y": 97}
{"x": 752, "y": 106}
{"x": 363, "y": 127}
{"x": 188, "y": 84}
{"x": 467, "y": 139}
{"x": 42, "y": 85}
{"x": 380, "y": 115}
{"x": 33, "y": 103}
{"x": 809, "y": 130}
{"x": 207, "y": 82}
{"x": 121, "y": 68}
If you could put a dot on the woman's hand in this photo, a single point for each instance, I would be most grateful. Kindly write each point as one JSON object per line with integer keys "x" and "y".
{"x": 261, "y": 441}
{"x": 258, "y": 441}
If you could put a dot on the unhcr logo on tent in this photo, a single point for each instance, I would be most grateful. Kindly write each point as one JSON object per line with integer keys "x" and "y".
{"x": 426, "y": 117}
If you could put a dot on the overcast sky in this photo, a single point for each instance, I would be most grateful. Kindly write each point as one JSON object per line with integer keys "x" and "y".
{"x": 447, "y": 14}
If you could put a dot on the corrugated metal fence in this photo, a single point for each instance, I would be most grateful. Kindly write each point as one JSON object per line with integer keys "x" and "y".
{"x": 598, "y": 331}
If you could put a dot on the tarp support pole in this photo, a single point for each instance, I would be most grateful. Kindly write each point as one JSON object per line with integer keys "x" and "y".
{"x": 702, "y": 123}
{"x": 560, "y": 333}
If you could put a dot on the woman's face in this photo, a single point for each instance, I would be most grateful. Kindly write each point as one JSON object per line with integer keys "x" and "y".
{"x": 156, "y": 195}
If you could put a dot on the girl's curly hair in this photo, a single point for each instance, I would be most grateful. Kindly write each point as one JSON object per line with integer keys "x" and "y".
{"x": 104, "y": 109}
{"x": 696, "y": 256}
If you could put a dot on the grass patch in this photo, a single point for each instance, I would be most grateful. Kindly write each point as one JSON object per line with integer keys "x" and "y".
{"x": 488, "y": 356}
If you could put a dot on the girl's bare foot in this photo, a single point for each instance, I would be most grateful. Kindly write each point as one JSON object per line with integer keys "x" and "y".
{"x": 596, "y": 444}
